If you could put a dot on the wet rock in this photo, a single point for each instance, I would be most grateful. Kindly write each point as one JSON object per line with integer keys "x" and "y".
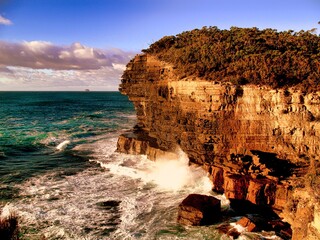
{"x": 256, "y": 223}
{"x": 131, "y": 143}
{"x": 198, "y": 210}
{"x": 139, "y": 142}
{"x": 233, "y": 233}
{"x": 248, "y": 224}
{"x": 229, "y": 230}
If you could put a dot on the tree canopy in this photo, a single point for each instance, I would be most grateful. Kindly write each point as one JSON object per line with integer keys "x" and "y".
{"x": 244, "y": 55}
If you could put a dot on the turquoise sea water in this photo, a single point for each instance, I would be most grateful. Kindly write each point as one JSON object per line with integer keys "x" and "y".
{"x": 60, "y": 173}
{"x": 32, "y": 124}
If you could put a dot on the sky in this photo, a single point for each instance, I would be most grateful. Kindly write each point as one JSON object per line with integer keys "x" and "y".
{"x": 73, "y": 45}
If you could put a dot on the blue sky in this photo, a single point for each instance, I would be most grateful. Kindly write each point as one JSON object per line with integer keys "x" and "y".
{"x": 78, "y": 44}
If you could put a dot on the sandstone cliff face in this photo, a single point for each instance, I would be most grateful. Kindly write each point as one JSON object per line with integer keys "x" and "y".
{"x": 258, "y": 144}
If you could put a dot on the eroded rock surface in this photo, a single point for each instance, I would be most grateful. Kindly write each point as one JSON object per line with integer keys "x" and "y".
{"x": 248, "y": 224}
{"x": 258, "y": 144}
{"x": 198, "y": 210}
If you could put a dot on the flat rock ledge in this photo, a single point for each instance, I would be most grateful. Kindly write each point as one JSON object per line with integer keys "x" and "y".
{"x": 139, "y": 142}
{"x": 199, "y": 210}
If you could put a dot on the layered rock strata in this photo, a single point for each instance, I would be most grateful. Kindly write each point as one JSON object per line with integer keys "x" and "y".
{"x": 258, "y": 144}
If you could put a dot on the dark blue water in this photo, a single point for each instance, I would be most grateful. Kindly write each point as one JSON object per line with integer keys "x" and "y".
{"x": 33, "y": 124}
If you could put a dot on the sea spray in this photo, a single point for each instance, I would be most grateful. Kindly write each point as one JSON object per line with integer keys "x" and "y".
{"x": 176, "y": 174}
{"x": 77, "y": 206}
{"x": 167, "y": 174}
{"x": 147, "y": 205}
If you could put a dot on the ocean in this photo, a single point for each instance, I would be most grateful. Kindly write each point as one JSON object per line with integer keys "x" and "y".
{"x": 60, "y": 172}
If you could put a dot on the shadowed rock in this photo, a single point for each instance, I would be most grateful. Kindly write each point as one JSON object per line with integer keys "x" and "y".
{"x": 198, "y": 210}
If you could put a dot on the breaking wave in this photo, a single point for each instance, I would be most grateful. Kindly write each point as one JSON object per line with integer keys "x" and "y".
{"x": 166, "y": 174}
{"x": 129, "y": 197}
{"x": 59, "y": 194}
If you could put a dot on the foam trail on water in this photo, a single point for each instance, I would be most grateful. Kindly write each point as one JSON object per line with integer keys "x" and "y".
{"x": 225, "y": 202}
{"x": 147, "y": 194}
{"x": 255, "y": 235}
{"x": 63, "y": 145}
{"x": 238, "y": 227}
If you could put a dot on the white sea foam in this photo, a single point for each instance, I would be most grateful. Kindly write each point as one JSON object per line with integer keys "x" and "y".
{"x": 7, "y": 210}
{"x": 225, "y": 202}
{"x": 63, "y": 145}
{"x": 176, "y": 174}
{"x": 65, "y": 206}
{"x": 253, "y": 235}
{"x": 172, "y": 174}
{"x": 238, "y": 227}
{"x": 258, "y": 236}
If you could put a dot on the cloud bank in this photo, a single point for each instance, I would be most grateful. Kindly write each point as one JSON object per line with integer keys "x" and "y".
{"x": 40, "y": 65}
{"x": 5, "y": 21}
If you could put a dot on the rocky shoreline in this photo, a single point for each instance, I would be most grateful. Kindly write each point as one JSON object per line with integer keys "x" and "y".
{"x": 249, "y": 197}
{"x": 259, "y": 145}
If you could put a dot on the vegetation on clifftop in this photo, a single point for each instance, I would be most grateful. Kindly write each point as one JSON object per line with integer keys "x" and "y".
{"x": 244, "y": 55}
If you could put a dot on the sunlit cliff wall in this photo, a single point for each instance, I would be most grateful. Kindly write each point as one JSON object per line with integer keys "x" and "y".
{"x": 258, "y": 144}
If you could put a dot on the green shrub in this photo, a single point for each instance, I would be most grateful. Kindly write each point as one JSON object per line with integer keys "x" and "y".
{"x": 244, "y": 55}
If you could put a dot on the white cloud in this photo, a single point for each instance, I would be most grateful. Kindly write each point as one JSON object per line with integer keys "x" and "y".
{"x": 64, "y": 55}
{"x": 40, "y": 65}
{"x": 5, "y": 21}
{"x": 40, "y": 54}
{"x": 119, "y": 66}
{"x": 82, "y": 52}
{"x": 21, "y": 78}
{"x": 38, "y": 47}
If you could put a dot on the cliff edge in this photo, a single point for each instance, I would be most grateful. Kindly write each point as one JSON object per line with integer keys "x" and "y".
{"x": 258, "y": 140}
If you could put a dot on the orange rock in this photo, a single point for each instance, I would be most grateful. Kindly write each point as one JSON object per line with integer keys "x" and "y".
{"x": 217, "y": 179}
{"x": 248, "y": 224}
{"x": 235, "y": 187}
{"x": 210, "y": 119}
{"x": 197, "y": 209}
{"x": 256, "y": 192}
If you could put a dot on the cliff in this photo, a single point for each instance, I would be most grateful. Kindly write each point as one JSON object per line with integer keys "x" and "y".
{"x": 259, "y": 144}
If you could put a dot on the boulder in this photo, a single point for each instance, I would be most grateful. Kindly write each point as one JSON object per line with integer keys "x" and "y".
{"x": 248, "y": 224}
{"x": 197, "y": 209}
{"x": 234, "y": 232}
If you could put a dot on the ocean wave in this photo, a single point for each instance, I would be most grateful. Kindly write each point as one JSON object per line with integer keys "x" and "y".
{"x": 121, "y": 200}
{"x": 53, "y": 198}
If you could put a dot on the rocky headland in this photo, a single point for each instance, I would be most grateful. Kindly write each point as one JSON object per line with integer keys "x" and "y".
{"x": 249, "y": 121}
